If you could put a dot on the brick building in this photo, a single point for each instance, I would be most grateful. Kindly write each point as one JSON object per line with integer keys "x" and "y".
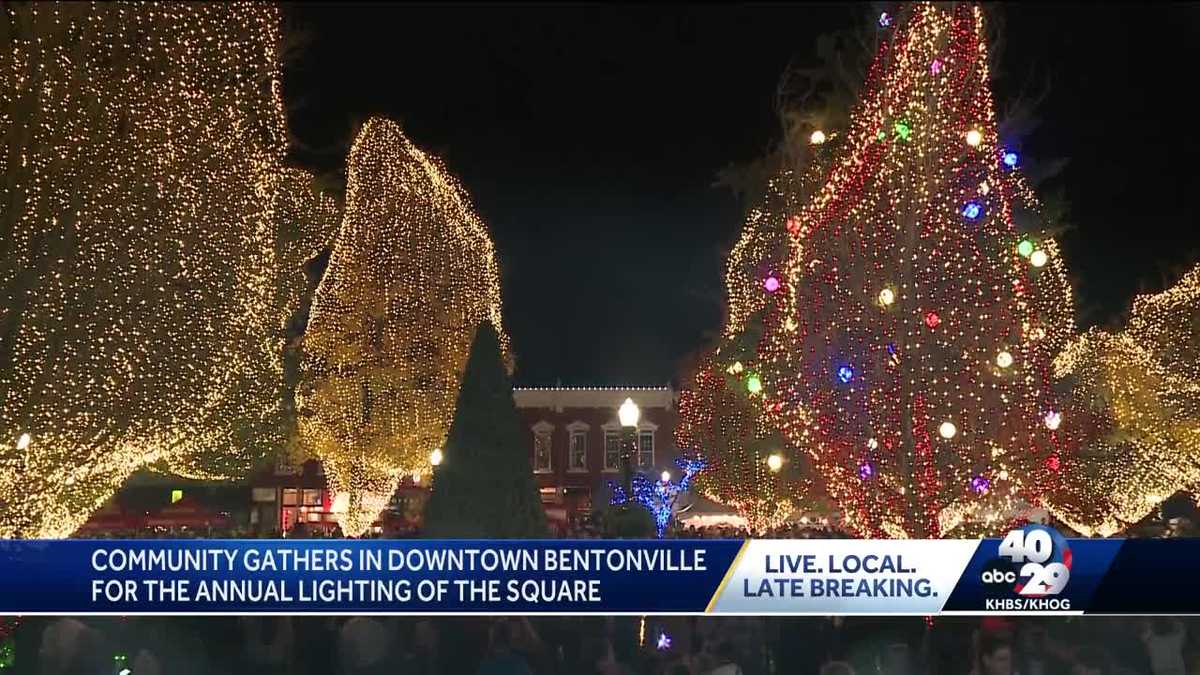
{"x": 574, "y": 439}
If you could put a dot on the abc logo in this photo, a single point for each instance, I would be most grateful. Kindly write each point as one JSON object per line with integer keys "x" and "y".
{"x": 998, "y": 575}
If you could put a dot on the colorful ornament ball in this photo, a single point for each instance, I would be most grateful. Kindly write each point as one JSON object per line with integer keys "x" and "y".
{"x": 754, "y": 384}
{"x": 845, "y": 374}
{"x": 947, "y": 429}
{"x": 1004, "y": 359}
{"x": 972, "y": 210}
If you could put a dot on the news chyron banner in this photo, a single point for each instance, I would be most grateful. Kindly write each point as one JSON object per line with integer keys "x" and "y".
{"x": 1032, "y": 569}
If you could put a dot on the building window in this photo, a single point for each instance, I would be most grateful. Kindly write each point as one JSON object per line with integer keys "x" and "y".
{"x": 541, "y": 452}
{"x": 612, "y": 451}
{"x": 646, "y": 449}
{"x": 312, "y": 498}
{"x": 291, "y": 497}
{"x": 578, "y": 456}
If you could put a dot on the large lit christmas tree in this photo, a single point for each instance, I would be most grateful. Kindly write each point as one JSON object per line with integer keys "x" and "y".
{"x": 910, "y": 354}
{"x": 139, "y": 317}
{"x": 412, "y": 274}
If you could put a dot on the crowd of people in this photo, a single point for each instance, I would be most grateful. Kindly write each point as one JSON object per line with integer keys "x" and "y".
{"x": 607, "y": 646}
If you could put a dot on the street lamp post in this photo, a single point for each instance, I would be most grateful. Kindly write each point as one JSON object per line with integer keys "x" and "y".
{"x": 628, "y": 414}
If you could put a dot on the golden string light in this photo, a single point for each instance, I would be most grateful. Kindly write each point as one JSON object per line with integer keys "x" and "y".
{"x": 1137, "y": 396}
{"x": 412, "y": 274}
{"x": 141, "y": 320}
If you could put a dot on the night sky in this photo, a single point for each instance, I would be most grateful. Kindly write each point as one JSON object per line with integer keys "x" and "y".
{"x": 589, "y": 138}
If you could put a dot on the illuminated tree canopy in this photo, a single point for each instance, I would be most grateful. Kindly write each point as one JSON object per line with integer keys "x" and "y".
{"x": 140, "y": 315}
{"x": 1137, "y": 395}
{"x": 717, "y": 418}
{"x": 413, "y": 272}
{"x": 911, "y": 355}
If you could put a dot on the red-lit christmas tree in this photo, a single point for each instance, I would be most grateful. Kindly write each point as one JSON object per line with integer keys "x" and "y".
{"x": 911, "y": 355}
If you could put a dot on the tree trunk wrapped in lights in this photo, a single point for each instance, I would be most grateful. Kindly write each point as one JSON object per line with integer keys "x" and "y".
{"x": 911, "y": 358}
{"x": 413, "y": 272}
{"x": 138, "y": 317}
{"x": 1139, "y": 393}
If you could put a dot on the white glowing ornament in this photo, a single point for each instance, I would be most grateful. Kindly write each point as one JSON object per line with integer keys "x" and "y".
{"x": 1052, "y": 420}
{"x": 817, "y": 138}
{"x": 1004, "y": 359}
{"x": 886, "y": 297}
{"x": 947, "y": 429}
{"x": 436, "y": 457}
{"x": 666, "y": 476}
{"x": 974, "y": 138}
{"x": 872, "y": 443}
{"x": 775, "y": 462}
{"x": 1038, "y": 258}
{"x": 24, "y": 441}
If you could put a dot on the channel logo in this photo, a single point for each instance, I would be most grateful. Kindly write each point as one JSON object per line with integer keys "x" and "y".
{"x": 1032, "y": 562}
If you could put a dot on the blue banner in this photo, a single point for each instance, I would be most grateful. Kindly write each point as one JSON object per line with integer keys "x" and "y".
{"x": 1030, "y": 570}
{"x": 360, "y": 576}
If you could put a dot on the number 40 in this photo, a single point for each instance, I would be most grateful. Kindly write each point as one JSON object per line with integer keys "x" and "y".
{"x": 1033, "y": 546}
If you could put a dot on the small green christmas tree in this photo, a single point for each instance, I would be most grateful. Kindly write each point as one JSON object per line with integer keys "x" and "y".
{"x": 484, "y": 487}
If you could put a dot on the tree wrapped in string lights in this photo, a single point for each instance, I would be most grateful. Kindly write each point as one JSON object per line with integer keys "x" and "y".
{"x": 1136, "y": 394}
{"x": 718, "y": 419}
{"x": 413, "y": 272}
{"x": 658, "y": 496}
{"x": 305, "y": 219}
{"x": 139, "y": 322}
{"x": 911, "y": 358}
{"x": 751, "y": 466}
